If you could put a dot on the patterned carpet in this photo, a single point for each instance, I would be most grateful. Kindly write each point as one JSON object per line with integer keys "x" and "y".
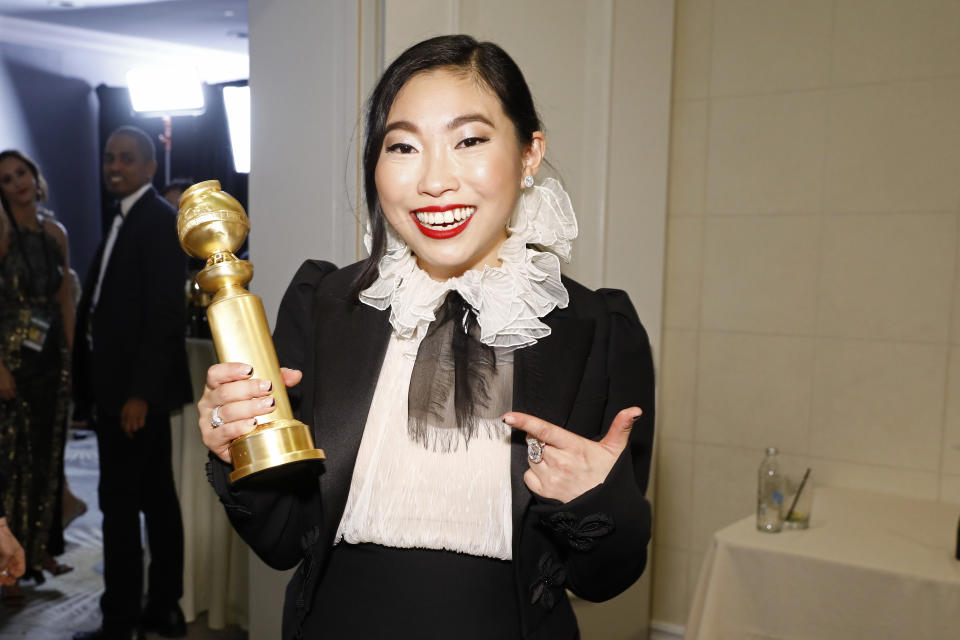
{"x": 70, "y": 602}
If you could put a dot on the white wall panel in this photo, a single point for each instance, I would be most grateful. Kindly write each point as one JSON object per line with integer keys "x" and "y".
{"x": 303, "y": 85}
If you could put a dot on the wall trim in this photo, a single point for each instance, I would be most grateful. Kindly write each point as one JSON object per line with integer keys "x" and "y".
{"x": 665, "y": 631}
{"x": 595, "y": 145}
{"x": 215, "y": 65}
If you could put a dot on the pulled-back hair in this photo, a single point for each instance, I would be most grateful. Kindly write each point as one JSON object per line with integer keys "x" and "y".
{"x": 486, "y": 62}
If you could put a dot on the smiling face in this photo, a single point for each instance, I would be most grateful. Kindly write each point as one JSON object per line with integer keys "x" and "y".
{"x": 124, "y": 168}
{"x": 17, "y": 182}
{"x": 450, "y": 171}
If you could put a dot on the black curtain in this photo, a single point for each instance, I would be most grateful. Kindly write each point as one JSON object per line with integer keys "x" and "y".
{"x": 200, "y": 144}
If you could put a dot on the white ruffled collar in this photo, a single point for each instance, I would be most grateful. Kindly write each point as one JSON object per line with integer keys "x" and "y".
{"x": 509, "y": 299}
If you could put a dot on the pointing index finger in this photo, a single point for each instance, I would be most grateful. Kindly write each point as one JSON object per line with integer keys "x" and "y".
{"x": 541, "y": 429}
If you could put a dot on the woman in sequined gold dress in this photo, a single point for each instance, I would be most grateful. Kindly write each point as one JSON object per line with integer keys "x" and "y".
{"x": 36, "y": 335}
{"x": 487, "y": 422}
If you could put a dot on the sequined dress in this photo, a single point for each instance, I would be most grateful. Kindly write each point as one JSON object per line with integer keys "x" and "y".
{"x": 33, "y": 424}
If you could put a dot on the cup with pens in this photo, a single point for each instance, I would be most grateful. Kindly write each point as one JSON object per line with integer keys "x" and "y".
{"x": 797, "y": 500}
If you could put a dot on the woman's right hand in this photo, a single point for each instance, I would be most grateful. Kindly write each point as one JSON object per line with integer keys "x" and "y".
{"x": 8, "y": 386}
{"x": 241, "y": 399}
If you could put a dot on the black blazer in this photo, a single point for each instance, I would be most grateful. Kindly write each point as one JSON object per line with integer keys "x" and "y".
{"x": 139, "y": 324}
{"x": 595, "y": 362}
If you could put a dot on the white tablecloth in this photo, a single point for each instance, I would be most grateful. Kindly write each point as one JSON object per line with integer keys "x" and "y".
{"x": 215, "y": 558}
{"x": 870, "y": 566}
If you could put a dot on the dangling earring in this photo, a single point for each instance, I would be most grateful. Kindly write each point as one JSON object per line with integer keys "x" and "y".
{"x": 527, "y": 181}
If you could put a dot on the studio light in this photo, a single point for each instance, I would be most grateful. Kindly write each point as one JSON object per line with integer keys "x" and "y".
{"x": 236, "y": 100}
{"x": 165, "y": 91}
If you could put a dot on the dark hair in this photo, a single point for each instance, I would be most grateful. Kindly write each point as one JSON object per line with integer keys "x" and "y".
{"x": 34, "y": 169}
{"x": 148, "y": 151}
{"x": 487, "y": 62}
{"x": 180, "y": 184}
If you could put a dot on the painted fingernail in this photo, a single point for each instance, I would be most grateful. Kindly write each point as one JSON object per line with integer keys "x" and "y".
{"x": 268, "y": 402}
{"x": 265, "y": 385}
{"x": 509, "y": 419}
{"x": 249, "y": 371}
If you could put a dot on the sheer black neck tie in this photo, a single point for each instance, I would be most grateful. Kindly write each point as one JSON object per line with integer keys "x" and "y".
{"x": 455, "y": 384}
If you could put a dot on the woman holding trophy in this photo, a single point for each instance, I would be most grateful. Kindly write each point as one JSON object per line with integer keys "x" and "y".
{"x": 487, "y": 422}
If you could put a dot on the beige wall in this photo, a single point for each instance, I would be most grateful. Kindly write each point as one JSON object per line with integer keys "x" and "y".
{"x": 811, "y": 296}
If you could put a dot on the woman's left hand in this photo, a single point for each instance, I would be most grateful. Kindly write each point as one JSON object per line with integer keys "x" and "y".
{"x": 572, "y": 465}
{"x": 11, "y": 556}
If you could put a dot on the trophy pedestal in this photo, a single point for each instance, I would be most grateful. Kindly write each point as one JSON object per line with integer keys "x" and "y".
{"x": 271, "y": 445}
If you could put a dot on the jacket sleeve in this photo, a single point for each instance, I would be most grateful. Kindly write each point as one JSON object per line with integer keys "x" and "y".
{"x": 603, "y": 534}
{"x": 274, "y": 511}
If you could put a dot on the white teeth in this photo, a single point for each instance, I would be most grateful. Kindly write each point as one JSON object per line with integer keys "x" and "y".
{"x": 447, "y": 217}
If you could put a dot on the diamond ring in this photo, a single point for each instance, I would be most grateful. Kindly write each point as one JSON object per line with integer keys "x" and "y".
{"x": 215, "y": 419}
{"x": 535, "y": 450}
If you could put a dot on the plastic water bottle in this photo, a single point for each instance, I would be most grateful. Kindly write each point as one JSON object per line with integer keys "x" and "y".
{"x": 770, "y": 494}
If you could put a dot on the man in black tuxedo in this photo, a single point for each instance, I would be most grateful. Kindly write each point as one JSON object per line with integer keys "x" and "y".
{"x": 130, "y": 371}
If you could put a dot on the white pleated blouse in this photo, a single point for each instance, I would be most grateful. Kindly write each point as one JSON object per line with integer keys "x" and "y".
{"x": 403, "y": 494}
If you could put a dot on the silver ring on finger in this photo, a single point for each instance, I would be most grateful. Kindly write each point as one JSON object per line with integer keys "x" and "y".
{"x": 535, "y": 450}
{"x": 215, "y": 419}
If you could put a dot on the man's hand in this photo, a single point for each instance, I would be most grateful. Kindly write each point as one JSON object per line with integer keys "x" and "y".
{"x": 133, "y": 416}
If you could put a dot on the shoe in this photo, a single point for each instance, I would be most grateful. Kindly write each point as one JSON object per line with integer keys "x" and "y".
{"x": 167, "y": 621}
{"x": 73, "y": 507}
{"x": 36, "y": 575}
{"x": 54, "y": 568}
{"x": 127, "y": 633}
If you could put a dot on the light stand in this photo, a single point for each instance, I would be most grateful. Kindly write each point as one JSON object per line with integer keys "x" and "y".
{"x": 165, "y": 92}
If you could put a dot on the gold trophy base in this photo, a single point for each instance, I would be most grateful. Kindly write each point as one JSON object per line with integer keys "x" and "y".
{"x": 272, "y": 444}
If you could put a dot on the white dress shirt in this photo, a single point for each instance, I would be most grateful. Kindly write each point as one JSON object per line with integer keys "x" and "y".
{"x": 125, "y": 205}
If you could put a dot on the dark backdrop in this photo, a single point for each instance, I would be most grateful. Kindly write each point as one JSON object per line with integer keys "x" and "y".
{"x": 59, "y": 116}
{"x": 200, "y": 148}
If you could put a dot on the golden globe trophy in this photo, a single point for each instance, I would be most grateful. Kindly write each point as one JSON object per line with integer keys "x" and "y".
{"x": 211, "y": 226}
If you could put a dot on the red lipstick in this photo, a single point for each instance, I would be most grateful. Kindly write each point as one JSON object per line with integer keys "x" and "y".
{"x": 441, "y": 234}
